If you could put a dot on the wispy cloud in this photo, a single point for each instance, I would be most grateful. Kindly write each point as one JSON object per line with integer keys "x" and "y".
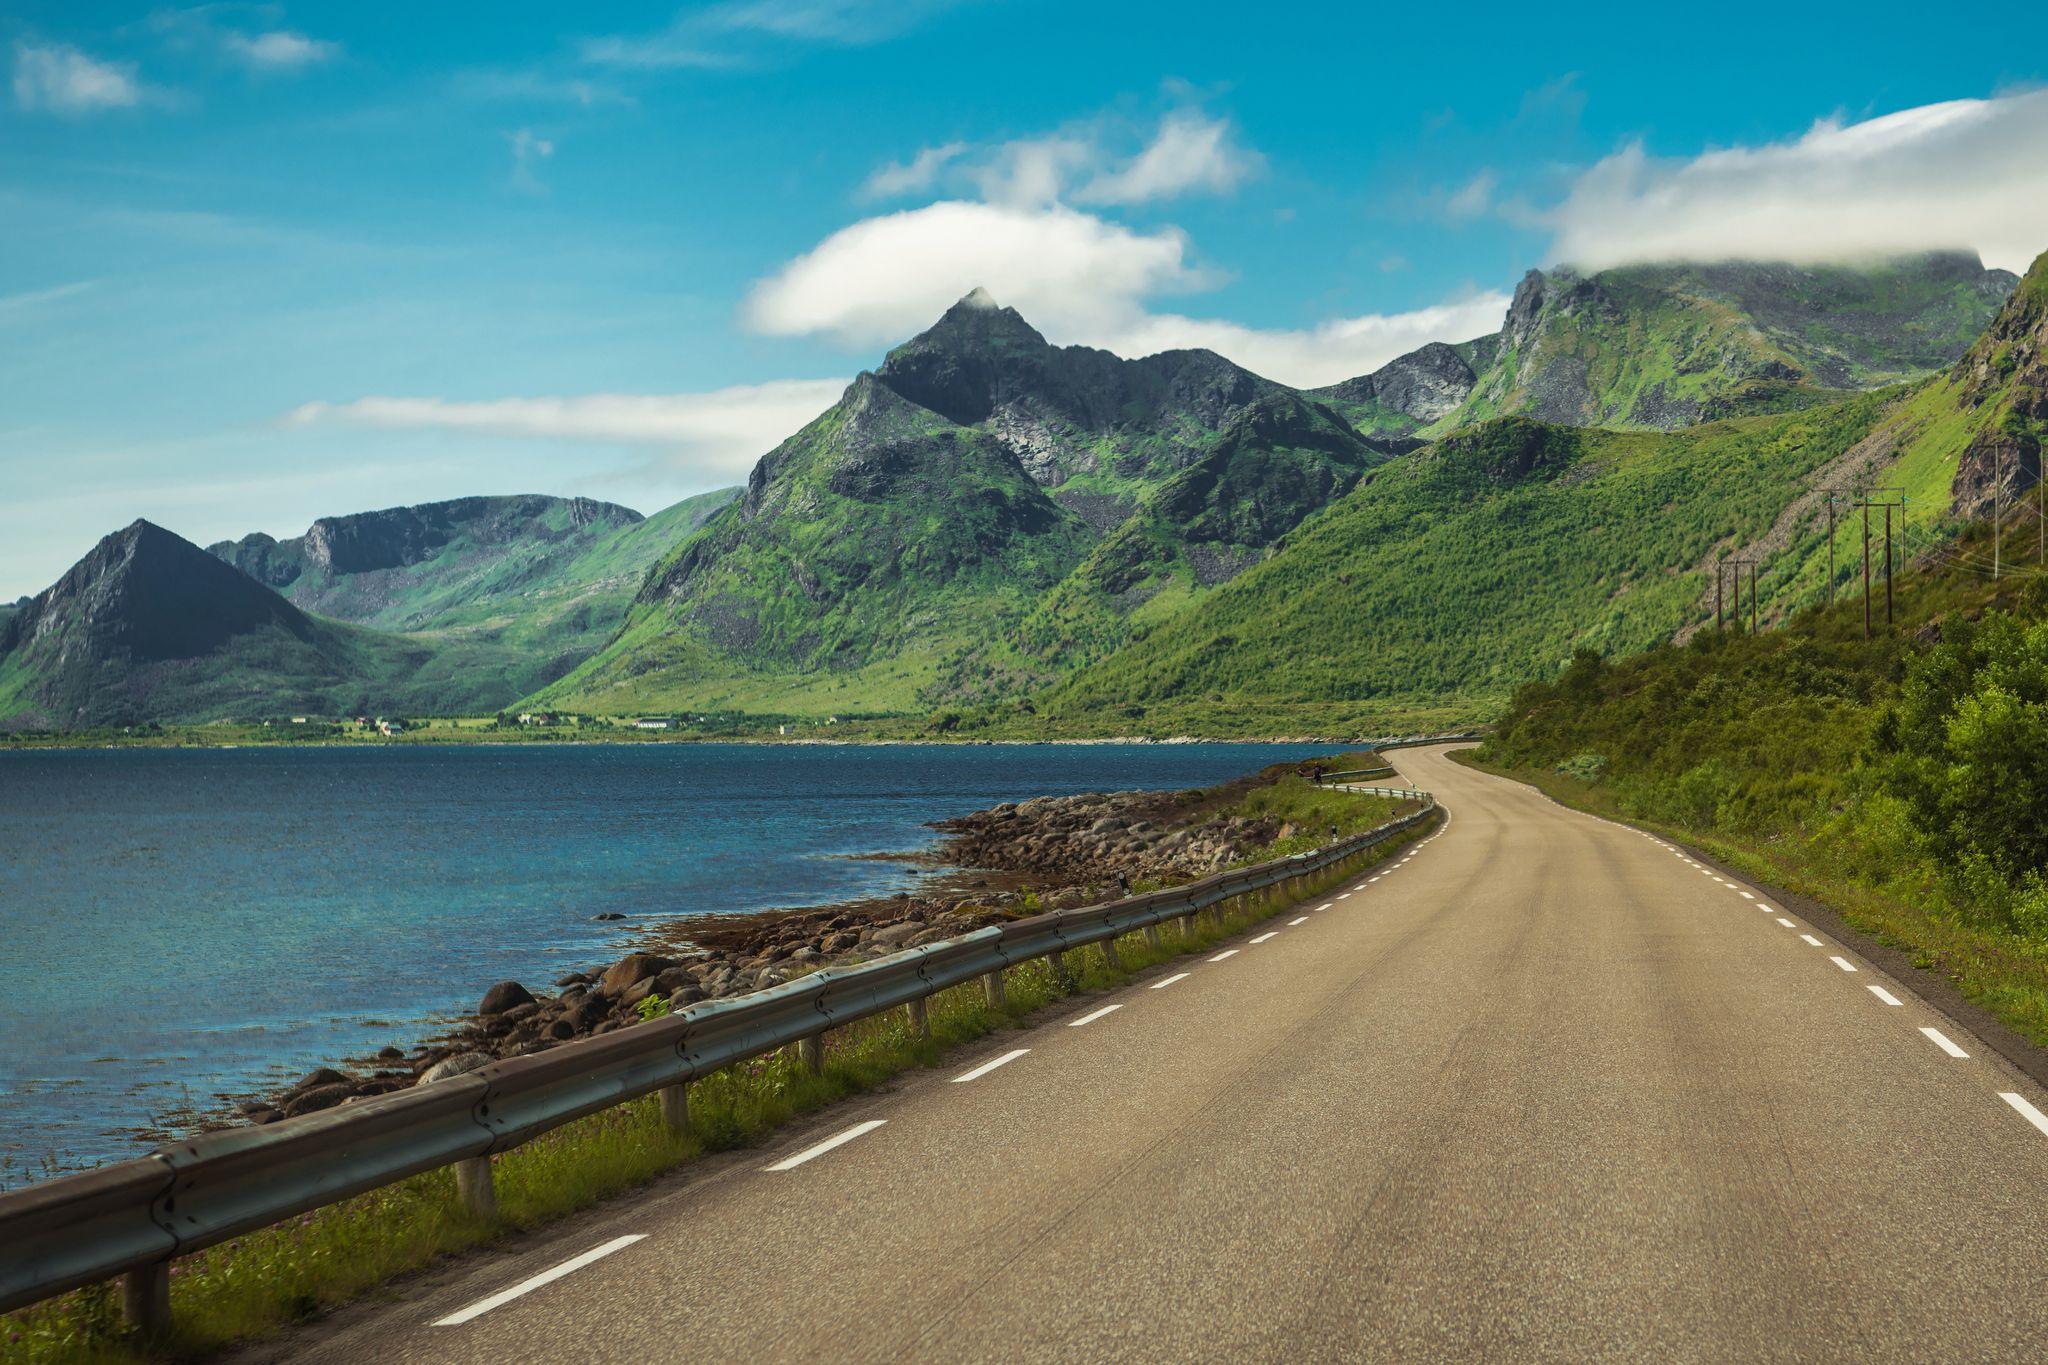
{"x": 529, "y": 149}
{"x": 1099, "y": 161}
{"x": 279, "y": 50}
{"x": 750, "y": 32}
{"x": 536, "y": 86}
{"x": 1473, "y": 199}
{"x": 35, "y": 298}
{"x": 914, "y": 176}
{"x": 61, "y": 79}
{"x": 718, "y": 433}
{"x": 1966, "y": 173}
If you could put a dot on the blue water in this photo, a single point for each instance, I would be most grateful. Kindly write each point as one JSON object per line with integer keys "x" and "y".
{"x": 177, "y": 924}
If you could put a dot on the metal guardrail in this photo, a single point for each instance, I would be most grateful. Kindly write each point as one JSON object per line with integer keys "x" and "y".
{"x": 133, "y": 1217}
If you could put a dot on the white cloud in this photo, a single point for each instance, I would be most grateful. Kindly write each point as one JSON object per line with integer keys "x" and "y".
{"x": 747, "y": 32}
{"x": 35, "y": 298}
{"x": 64, "y": 80}
{"x": 278, "y": 50}
{"x": 1966, "y": 173}
{"x": 1324, "y": 354}
{"x": 716, "y": 434}
{"x": 885, "y": 278}
{"x": 529, "y": 149}
{"x": 1075, "y": 277}
{"x": 1032, "y": 172}
{"x": 1190, "y": 152}
{"x": 1474, "y": 199}
{"x": 914, "y": 176}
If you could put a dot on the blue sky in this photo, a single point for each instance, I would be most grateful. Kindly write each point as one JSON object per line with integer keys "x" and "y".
{"x": 261, "y": 263}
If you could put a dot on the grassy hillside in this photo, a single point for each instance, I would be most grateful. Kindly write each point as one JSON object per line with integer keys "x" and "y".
{"x": 1453, "y": 574}
{"x": 548, "y": 578}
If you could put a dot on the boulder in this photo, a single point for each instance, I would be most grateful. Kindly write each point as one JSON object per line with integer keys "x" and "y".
{"x": 390, "y": 1054}
{"x": 318, "y": 1098}
{"x": 504, "y": 996}
{"x": 453, "y": 1066}
{"x": 894, "y": 935}
{"x": 325, "y": 1075}
{"x": 633, "y": 968}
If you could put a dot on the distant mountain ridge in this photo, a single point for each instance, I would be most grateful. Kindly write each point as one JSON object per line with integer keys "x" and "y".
{"x": 150, "y": 627}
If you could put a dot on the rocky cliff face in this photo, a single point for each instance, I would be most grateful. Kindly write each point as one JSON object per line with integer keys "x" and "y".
{"x": 2001, "y": 388}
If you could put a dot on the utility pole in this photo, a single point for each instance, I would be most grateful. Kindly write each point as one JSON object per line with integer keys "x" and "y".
{"x": 1720, "y": 576}
{"x": 1752, "y": 597}
{"x": 1886, "y": 498}
{"x": 1831, "y": 547}
{"x": 1997, "y": 506}
{"x": 1738, "y": 565}
{"x": 1888, "y": 564}
{"x": 1866, "y": 568}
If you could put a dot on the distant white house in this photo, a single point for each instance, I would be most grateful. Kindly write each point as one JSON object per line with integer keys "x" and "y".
{"x": 298, "y": 720}
{"x": 653, "y": 723}
{"x": 390, "y": 727}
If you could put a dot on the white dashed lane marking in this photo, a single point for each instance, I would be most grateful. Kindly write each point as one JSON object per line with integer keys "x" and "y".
{"x": 1270, "y": 933}
{"x": 2025, "y": 1110}
{"x": 546, "y": 1277}
{"x": 1884, "y": 995}
{"x": 978, "y": 1072}
{"x": 1844, "y": 963}
{"x": 1162, "y": 985}
{"x": 1227, "y": 952}
{"x": 1091, "y": 1018}
{"x": 818, "y": 1150}
{"x": 1936, "y": 1037}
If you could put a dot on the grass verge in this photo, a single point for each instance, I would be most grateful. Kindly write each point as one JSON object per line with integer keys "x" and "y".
{"x": 260, "y": 1284}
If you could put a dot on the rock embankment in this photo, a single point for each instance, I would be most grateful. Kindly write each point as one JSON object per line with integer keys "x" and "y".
{"x": 1014, "y": 859}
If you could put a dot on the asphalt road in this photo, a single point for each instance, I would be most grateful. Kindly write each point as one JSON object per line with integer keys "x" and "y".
{"x": 1544, "y": 1090}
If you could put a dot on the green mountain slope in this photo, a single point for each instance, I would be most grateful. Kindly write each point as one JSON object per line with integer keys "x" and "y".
{"x": 886, "y": 557}
{"x": 1663, "y": 346}
{"x": 149, "y": 627}
{"x": 550, "y": 577}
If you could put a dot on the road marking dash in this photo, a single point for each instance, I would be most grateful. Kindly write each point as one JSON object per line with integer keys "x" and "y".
{"x": 1935, "y": 1036}
{"x": 1298, "y": 919}
{"x": 1884, "y": 995}
{"x": 1811, "y": 939}
{"x": 1327, "y": 904}
{"x": 1746, "y": 895}
{"x": 978, "y": 1072}
{"x": 546, "y": 1277}
{"x": 1844, "y": 963}
{"x": 1162, "y": 985}
{"x": 836, "y": 1140}
{"x": 2025, "y": 1110}
{"x": 1227, "y": 952}
{"x": 1786, "y": 922}
{"x": 1270, "y": 933}
{"x": 1091, "y": 1018}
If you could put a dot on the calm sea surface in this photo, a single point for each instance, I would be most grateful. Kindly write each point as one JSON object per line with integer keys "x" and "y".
{"x": 176, "y": 924}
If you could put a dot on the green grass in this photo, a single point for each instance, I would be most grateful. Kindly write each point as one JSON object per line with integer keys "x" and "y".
{"x": 261, "y": 1284}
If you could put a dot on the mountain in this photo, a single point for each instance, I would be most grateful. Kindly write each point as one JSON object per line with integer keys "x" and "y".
{"x": 1663, "y": 346}
{"x": 150, "y": 627}
{"x": 551, "y": 577}
{"x": 885, "y": 557}
{"x": 1487, "y": 558}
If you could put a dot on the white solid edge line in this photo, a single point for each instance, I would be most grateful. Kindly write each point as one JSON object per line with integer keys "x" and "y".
{"x": 1844, "y": 963}
{"x": 1270, "y": 933}
{"x": 546, "y": 1277}
{"x": 1811, "y": 939}
{"x": 1162, "y": 985}
{"x": 1936, "y": 1037}
{"x": 791, "y": 1163}
{"x": 1298, "y": 919}
{"x": 1884, "y": 995}
{"x": 2025, "y": 1110}
{"x": 1227, "y": 952}
{"x": 1091, "y": 1018}
{"x": 978, "y": 1072}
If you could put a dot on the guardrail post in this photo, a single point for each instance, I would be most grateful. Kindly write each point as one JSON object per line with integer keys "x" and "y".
{"x": 1058, "y": 962}
{"x": 993, "y": 984}
{"x": 811, "y": 1052}
{"x": 146, "y": 1298}
{"x": 675, "y": 1106}
{"x": 1152, "y": 937}
{"x": 920, "y": 1018}
{"x": 473, "y": 1186}
{"x": 1109, "y": 955}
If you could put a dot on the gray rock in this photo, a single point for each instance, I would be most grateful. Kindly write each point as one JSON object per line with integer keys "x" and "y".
{"x": 504, "y": 996}
{"x": 457, "y": 1065}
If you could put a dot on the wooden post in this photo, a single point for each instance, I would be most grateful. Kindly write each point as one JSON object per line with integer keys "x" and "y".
{"x": 1887, "y": 564}
{"x": 146, "y": 1299}
{"x": 992, "y": 984}
{"x": 920, "y": 1018}
{"x": 473, "y": 1186}
{"x": 675, "y": 1106}
{"x": 1865, "y": 504}
{"x": 811, "y": 1052}
{"x": 1831, "y": 547}
{"x": 1720, "y": 577}
{"x": 1109, "y": 955}
{"x": 1152, "y": 937}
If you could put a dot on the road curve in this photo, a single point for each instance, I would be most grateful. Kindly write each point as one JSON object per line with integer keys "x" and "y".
{"x": 1544, "y": 1090}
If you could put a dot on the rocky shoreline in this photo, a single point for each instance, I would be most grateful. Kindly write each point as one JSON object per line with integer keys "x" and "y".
{"x": 1015, "y": 859}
